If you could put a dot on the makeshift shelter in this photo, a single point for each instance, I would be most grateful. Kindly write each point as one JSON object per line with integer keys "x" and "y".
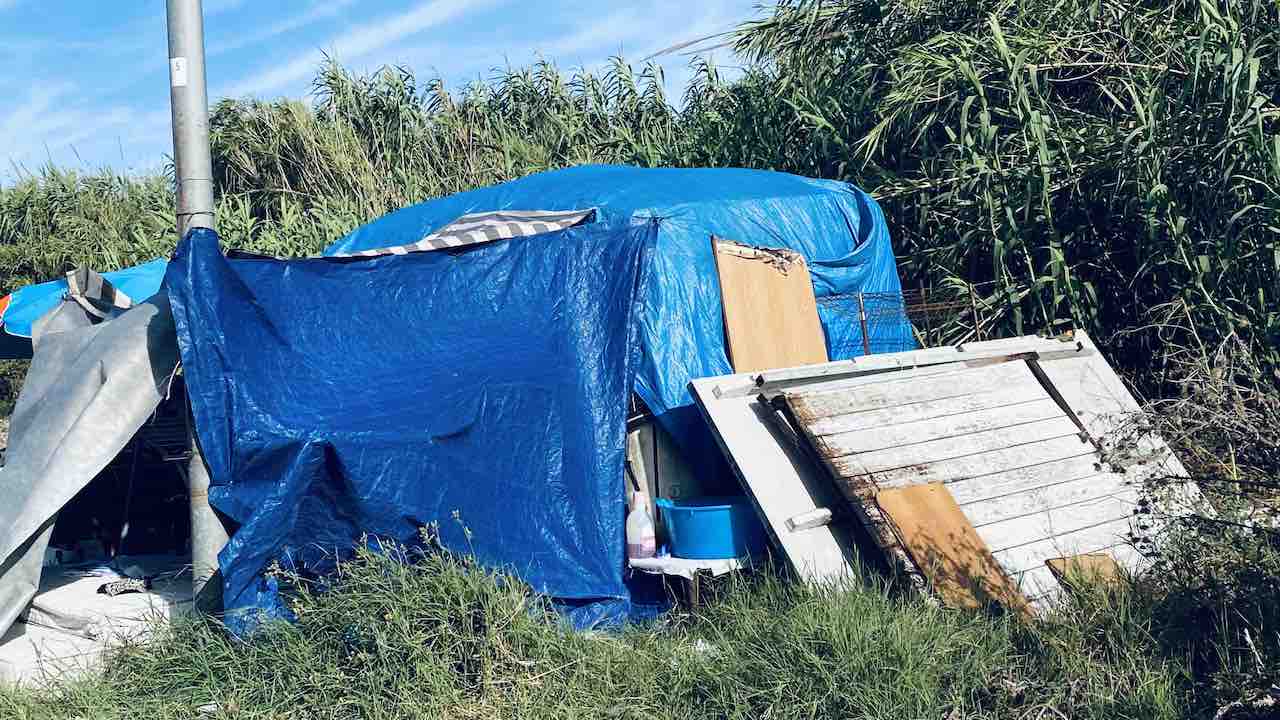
{"x": 480, "y": 389}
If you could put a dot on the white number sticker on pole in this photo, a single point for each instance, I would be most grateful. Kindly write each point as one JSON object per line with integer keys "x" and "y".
{"x": 178, "y": 72}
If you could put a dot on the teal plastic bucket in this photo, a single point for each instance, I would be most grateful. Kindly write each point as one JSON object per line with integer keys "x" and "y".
{"x": 712, "y": 528}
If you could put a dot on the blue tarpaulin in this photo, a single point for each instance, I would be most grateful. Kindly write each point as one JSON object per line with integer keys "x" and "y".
{"x": 485, "y": 392}
{"x": 28, "y": 304}
{"x": 838, "y": 228}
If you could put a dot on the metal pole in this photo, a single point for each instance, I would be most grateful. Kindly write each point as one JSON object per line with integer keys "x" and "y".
{"x": 977, "y": 321}
{"x": 208, "y": 536}
{"x": 189, "y": 101}
{"x": 862, "y": 320}
{"x": 193, "y": 175}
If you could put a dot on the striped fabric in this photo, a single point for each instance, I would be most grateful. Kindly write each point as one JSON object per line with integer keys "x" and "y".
{"x": 486, "y": 227}
{"x": 95, "y": 293}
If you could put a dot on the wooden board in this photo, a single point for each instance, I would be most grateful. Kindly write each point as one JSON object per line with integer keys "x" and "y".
{"x": 1088, "y": 568}
{"x": 1001, "y": 494}
{"x": 1027, "y": 480}
{"x": 778, "y": 476}
{"x": 946, "y": 548}
{"x": 1024, "y": 556}
{"x": 770, "y": 313}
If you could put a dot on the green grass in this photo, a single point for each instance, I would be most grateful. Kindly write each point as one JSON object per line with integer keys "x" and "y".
{"x": 443, "y": 639}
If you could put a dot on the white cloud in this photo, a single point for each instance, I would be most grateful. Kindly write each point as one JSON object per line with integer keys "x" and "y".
{"x": 51, "y": 121}
{"x": 30, "y": 118}
{"x": 355, "y": 44}
{"x": 634, "y": 32}
{"x": 319, "y": 11}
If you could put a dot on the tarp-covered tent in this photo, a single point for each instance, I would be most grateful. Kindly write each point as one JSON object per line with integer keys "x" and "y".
{"x": 292, "y": 365}
{"x": 838, "y": 229}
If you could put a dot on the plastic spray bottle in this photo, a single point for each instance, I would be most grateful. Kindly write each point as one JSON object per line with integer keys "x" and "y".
{"x": 642, "y": 539}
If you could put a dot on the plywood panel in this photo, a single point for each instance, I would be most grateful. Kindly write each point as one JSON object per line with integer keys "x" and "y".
{"x": 946, "y": 548}
{"x": 770, "y": 314}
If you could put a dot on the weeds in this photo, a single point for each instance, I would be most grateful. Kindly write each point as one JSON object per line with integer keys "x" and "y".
{"x": 441, "y": 638}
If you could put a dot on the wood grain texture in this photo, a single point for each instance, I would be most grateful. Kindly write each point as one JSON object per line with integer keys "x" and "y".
{"x": 892, "y": 390}
{"x": 946, "y": 548}
{"x": 1107, "y": 533}
{"x": 942, "y": 409}
{"x": 1085, "y": 569}
{"x": 917, "y": 432}
{"x": 891, "y": 472}
{"x": 770, "y": 313}
{"x": 1011, "y": 458}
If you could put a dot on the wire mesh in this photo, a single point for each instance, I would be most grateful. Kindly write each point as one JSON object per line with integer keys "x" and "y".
{"x": 870, "y": 323}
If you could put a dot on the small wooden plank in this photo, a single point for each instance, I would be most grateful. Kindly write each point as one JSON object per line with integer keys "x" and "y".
{"x": 1058, "y": 521}
{"x": 1075, "y": 493}
{"x": 941, "y": 410}
{"x": 1040, "y": 584}
{"x": 1108, "y": 532}
{"x": 990, "y": 486}
{"x": 913, "y": 434}
{"x": 1089, "y": 568}
{"x": 770, "y": 314}
{"x": 946, "y": 548}
{"x": 905, "y": 389}
{"x": 953, "y": 459}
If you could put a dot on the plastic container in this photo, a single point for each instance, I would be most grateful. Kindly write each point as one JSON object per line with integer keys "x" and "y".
{"x": 712, "y": 528}
{"x": 642, "y": 541}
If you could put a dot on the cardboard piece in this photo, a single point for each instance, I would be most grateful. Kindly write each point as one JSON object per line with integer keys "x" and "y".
{"x": 770, "y": 313}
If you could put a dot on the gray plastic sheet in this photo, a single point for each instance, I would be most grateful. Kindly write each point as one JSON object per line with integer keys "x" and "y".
{"x": 90, "y": 388}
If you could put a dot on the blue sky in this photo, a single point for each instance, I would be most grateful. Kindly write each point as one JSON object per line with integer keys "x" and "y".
{"x": 84, "y": 83}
